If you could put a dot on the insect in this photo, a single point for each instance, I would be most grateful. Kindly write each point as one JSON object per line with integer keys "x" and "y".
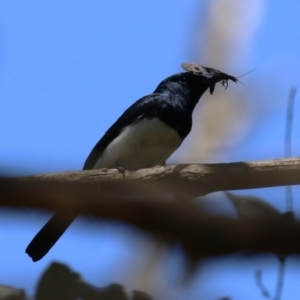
{"x": 214, "y": 74}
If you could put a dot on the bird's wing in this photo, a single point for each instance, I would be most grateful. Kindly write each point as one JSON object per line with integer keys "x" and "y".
{"x": 147, "y": 106}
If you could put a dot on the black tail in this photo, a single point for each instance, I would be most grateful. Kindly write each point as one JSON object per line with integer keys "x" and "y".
{"x": 48, "y": 235}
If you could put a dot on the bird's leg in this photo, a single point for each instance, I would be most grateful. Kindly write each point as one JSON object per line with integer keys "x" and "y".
{"x": 121, "y": 170}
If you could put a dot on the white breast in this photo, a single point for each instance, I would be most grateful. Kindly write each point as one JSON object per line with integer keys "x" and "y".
{"x": 145, "y": 144}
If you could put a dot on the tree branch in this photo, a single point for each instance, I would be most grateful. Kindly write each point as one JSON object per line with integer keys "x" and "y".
{"x": 184, "y": 180}
{"x": 104, "y": 194}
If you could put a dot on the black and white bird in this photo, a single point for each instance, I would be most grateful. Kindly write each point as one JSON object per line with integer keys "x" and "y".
{"x": 145, "y": 135}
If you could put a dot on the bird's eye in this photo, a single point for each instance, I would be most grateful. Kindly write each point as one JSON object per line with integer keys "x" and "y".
{"x": 182, "y": 80}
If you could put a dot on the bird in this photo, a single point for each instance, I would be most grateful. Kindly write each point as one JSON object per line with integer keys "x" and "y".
{"x": 145, "y": 135}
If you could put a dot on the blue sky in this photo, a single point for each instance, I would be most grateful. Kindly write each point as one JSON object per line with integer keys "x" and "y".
{"x": 68, "y": 69}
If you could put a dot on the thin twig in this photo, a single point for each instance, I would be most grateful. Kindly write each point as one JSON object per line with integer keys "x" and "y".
{"x": 260, "y": 284}
{"x": 288, "y": 189}
{"x": 281, "y": 271}
{"x": 288, "y": 142}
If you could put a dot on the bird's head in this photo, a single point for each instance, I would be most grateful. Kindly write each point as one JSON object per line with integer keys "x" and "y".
{"x": 193, "y": 83}
{"x": 212, "y": 75}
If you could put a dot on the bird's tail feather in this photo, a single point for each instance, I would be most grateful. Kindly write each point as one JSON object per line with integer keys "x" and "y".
{"x": 48, "y": 235}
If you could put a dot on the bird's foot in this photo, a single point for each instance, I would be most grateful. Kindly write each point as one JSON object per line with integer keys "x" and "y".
{"x": 121, "y": 170}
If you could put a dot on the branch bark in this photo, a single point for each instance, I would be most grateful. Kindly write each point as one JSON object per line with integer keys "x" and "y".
{"x": 205, "y": 177}
{"x": 105, "y": 194}
{"x": 69, "y": 190}
{"x": 184, "y": 180}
